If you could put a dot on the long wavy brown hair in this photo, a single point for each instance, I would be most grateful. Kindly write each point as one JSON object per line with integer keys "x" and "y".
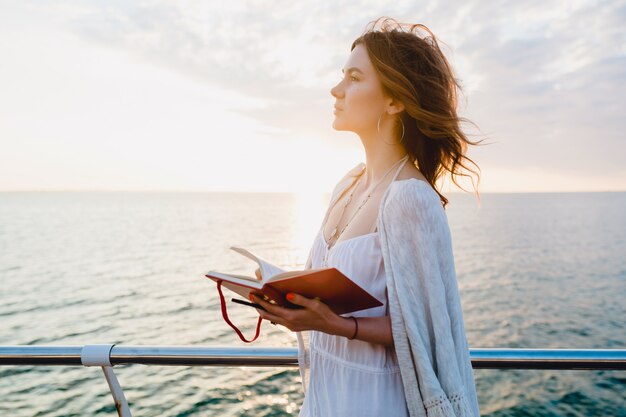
{"x": 414, "y": 70}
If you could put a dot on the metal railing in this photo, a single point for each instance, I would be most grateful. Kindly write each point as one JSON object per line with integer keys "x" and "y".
{"x": 107, "y": 356}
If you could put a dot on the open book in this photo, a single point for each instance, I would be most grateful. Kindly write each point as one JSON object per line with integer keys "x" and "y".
{"x": 331, "y": 286}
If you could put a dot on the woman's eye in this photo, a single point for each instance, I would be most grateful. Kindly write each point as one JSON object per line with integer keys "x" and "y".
{"x": 349, "y": 77}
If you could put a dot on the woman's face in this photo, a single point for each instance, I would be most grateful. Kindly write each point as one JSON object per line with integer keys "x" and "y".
{"x": 359, "y": 96}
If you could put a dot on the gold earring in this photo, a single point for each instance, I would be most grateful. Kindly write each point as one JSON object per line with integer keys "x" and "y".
{"x": 378, "y": 129}
{"x": 403, "y": 130}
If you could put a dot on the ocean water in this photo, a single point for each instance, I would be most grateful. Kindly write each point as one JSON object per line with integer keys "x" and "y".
{"x": 534, "y": 271}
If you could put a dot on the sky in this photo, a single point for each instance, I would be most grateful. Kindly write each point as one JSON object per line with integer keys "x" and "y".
{"x": 234, "y": 96}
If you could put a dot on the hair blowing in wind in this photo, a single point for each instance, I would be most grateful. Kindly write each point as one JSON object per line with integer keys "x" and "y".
{"x": 413, "y": 69}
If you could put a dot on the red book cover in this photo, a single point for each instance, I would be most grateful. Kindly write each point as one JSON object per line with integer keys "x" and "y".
{"x": 329, "y": 285}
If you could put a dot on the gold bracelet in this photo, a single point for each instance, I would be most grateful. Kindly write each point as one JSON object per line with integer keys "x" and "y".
{"x": 356, "y": 328}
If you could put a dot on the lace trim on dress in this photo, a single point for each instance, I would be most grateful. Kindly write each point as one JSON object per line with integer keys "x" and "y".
{"x": 455, "y": 405}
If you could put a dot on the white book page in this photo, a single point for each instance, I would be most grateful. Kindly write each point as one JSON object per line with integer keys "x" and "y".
{"x": 268, "y": 270}
{"x": 289, "y": 274}
{"x": 237, "y": 279}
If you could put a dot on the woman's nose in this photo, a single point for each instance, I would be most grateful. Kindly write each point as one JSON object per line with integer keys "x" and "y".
{"x": 336, "y": 91}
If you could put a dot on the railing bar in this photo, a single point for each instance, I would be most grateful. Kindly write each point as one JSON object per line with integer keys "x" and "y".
{"x": 497, "y": 358}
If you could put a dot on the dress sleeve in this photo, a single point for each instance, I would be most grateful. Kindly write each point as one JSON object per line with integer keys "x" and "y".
{"x": 426, "y": 316}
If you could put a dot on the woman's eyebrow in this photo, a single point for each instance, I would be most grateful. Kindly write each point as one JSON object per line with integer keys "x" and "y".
{"x": 352, "y": 69}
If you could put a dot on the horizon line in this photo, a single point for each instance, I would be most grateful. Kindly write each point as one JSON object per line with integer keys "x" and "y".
{"x": 178, "y": 191}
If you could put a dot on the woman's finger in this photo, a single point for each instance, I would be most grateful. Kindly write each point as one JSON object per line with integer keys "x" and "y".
{"x": 271, "y": 317}
{"x": 259, "y": 300}
{"x": 272, "y": 308}
{"x": 301, "y": 300}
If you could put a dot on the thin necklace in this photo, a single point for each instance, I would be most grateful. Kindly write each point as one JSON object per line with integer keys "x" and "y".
{"x": 328, "y": 246}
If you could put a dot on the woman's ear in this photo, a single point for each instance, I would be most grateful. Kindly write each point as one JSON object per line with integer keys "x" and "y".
{"x": 394, "y": 106}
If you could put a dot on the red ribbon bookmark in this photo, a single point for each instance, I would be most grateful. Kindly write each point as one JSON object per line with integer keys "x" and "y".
{"x": 227, "y": 320}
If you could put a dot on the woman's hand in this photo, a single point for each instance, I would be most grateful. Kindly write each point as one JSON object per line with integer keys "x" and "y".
{"x": 314, "y": 316}
{"x": 318, "y": 316}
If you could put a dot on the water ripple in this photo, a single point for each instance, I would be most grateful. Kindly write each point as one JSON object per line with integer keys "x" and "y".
{"x": 534, "y": 271}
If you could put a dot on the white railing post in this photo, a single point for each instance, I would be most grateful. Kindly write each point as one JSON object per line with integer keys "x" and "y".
{"x": 100, "y": 355}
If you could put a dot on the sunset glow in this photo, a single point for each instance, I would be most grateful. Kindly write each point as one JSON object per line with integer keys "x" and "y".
{"x": 187, "y": 97}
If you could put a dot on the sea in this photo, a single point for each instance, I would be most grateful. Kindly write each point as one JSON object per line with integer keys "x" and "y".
{"x": 534, "y": 270}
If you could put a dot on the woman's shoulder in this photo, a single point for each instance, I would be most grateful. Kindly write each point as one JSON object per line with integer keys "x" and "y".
{"x": 348, "y": 177}
{"x": 414, "y": 203}
{"x": 354, "y": 171}
{"x": 412, "y": 191}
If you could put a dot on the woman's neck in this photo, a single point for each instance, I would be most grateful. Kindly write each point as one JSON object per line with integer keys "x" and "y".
{"x": 380, "y": 157}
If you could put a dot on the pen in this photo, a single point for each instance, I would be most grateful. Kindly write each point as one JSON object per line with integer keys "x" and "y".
{"x": 246, "y": 303}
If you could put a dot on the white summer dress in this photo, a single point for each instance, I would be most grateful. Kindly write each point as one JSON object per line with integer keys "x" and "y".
{"x": 353, "y": 377}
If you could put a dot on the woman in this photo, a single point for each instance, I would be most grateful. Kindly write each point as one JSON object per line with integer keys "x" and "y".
{"x": 386, "y": 229}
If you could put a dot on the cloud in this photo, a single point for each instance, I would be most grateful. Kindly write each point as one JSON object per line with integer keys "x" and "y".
{"x": 545, "y": 80}
{"x": 551, "y": 85}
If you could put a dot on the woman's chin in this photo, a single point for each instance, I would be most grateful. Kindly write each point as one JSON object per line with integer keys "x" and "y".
{"x": 337, "y": 125}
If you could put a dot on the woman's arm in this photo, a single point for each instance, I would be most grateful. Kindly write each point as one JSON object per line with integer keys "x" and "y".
{"x": 317, "y": 316}
{"x": 371, "y": 329}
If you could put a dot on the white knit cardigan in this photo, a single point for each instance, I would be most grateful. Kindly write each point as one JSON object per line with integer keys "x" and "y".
{"x": 424, "y": 303}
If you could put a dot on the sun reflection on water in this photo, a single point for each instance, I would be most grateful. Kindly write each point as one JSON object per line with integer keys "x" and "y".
{"x": 308, "y": 212}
